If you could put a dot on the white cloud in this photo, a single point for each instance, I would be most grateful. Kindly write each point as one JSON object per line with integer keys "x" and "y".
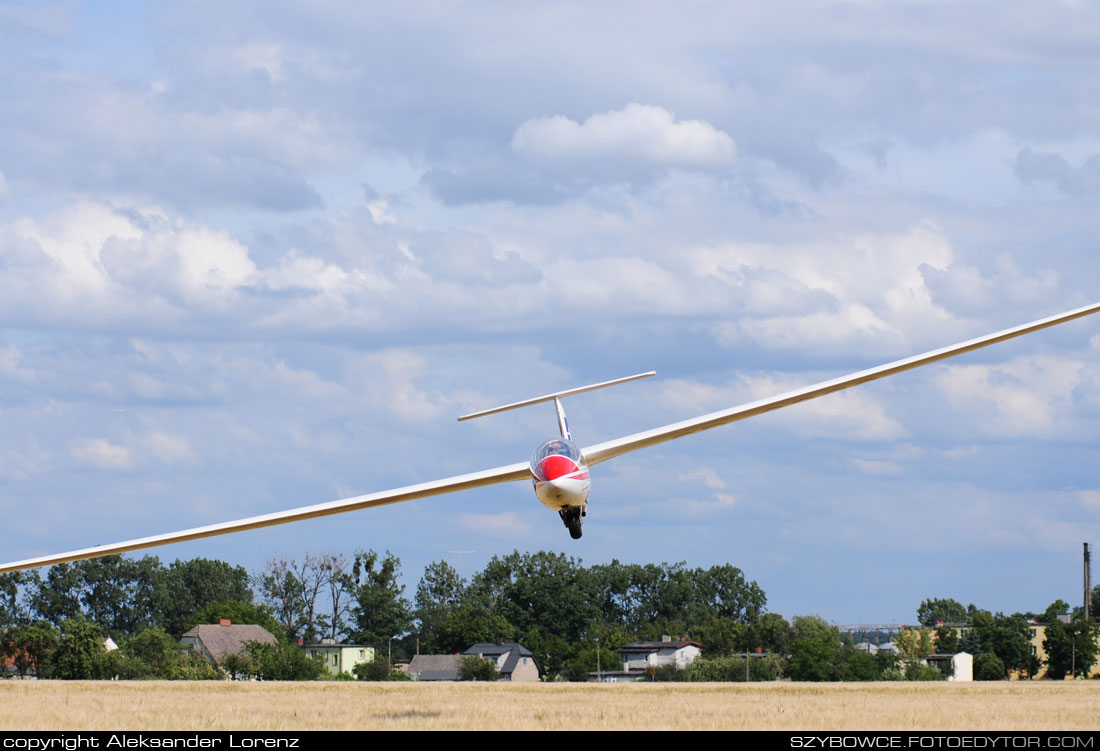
{"x": 10, "y": 367}
{"x": 707, "y": 475}
{"x": 507, "y": 524}
{"x": 1026, "y": 397}
{"x": 639, "y": 133}
{"x": 170, "y": 449}
{"x": 102, "y": 454}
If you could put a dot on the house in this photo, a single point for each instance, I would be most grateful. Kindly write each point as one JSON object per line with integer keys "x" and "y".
{"x": 339, "y": 658}
{"x": 514, "y": 662}
{"x": 640, "y": 657}
{"x": 434, "y": 667}
{"x": 217, "y": 641}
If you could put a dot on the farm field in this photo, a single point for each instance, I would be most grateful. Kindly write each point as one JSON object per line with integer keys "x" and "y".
{"x": 155, "y": 705}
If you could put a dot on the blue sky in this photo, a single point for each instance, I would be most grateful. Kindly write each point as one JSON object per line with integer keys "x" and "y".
{"x": 261, "y": 256}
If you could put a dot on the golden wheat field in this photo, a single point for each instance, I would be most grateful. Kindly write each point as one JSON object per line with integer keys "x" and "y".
{"x": 56, "y": 705}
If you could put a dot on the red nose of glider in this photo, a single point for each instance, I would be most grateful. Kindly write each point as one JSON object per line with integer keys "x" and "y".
{"x": 553, "y": 467}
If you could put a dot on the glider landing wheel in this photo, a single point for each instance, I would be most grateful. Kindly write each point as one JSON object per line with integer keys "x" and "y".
{"x": 572, "y": 518}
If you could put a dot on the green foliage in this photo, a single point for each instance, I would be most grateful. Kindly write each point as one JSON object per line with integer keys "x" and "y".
{"x": 1056, "y": 608}
{"x": 934, "y": 611}
{"x": 470, "y": 624}
{"x": 1070, "y": 648}
{"x": 816, "y": 652}
{"x": 915, "y": 671}
{"x": 861, "y": 666}
{"x": 770, "y": 632}
{"x": 375, "y": 670}
{"x": 1006, "y": 636}
{"x": 474, "y": 668}
{"x": 115, "y": 592}
{"x": 79, "y": 652}
{"x": 185, "y": 588}
{"x": 30, "y": 645}
{"x": 720, "y": 636}
{"x": 438, "y": 595}
{"x": 285, "y": 593}
{"x": 379, "y": 611}
{"x": 732, "y": 669}
{"x": 914, "y": 644}
{"x": 988, "y": 667}
{"x": 12, "y": 609}
{"x": 947, "y": 641}
{"x": 276, "y": 662}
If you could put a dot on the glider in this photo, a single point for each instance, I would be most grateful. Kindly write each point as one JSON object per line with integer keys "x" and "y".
{"x": 558, "y": 468}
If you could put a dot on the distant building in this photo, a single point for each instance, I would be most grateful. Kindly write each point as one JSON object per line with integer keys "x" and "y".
{"x": 640, "y": 657}
{"x": 216, "y": 642}
{"x": 339, "y": 658}
{"x": 514, "y": 662}
{"x": 434, "y": 667}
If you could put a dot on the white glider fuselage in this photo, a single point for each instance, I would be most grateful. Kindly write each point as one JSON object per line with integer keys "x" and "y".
{"x": 560, "y": 475}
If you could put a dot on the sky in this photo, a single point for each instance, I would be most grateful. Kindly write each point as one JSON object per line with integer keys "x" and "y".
{"x": 256, "y": 256}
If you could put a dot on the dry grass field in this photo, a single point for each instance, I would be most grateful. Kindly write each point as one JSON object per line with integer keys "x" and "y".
{"x": 55, "y": 705}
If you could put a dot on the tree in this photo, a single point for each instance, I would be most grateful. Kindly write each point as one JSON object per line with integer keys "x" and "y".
{"x": 947, "y": 641}
{"x": 12, "y": 608}
{"x": 438, "y": 595}
{"x": 284, "y": 592}
{"x": 816, "y": 650}
{"x": 914, "y": 644}
{"x": 770, "y": 632}
{"x": 380, "y": 612}
{"x": 186, "y": 587}
{"x": 1006, "y": 636}
{"x": 1070, "y": 648}
{"x": 474, "y": 668}
{"x": 1056, "y": 608}
{"x": 79, "y": 653}
{"x": 935, "y": 611}
{"x": 30, "y": 645}
{"x": 277, "y": 662}
{"x": 469, "y": 624}
{"x": 338, "y": 581}
{"x": 988, "y": 667}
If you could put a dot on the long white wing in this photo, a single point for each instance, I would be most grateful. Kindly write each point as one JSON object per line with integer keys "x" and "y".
{"x": 610, "y": 449}
{"x": 593, "y": 454}
{"x": 510, "y": 473}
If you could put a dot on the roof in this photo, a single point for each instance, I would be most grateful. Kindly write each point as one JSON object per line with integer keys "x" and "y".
{"x": 652, "y": 646}
{"x": 488, "y": 649}
{"x": 223, "y": 640}
{"x": 434, "y": 667}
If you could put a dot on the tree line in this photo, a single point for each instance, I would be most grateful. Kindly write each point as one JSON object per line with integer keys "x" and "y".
{"x": 571, "y": 616}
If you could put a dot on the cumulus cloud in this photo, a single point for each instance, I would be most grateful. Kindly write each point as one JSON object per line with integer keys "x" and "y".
{"x": 170, "y": 449}
{"x": 869, "y": 290}
{"x": 638, "y": 134}
{"x": 102, "y": 454}
{"x": 1026, "y": 397}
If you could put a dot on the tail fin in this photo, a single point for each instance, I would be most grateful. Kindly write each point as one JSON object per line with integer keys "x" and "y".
{"x": 557, "y": 395}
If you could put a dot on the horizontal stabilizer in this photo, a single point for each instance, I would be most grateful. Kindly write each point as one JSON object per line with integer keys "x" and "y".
{"x": 557, "y": 395}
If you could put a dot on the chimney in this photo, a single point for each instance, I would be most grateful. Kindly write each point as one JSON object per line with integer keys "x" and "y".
{"x": 225, "y": 622}
{"x": 301, "y": 641}
{"x": 665, "y": 637}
